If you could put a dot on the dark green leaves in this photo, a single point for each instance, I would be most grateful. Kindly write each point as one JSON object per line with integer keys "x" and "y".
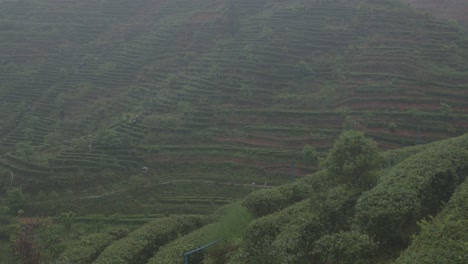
{"x": 353, "y": 160}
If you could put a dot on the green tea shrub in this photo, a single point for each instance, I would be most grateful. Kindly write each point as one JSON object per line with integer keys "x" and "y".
{"x": 267, "y": 201}
{"x": 353, "y": 160}
{"x": 227, "y": 229}
{"x": 140, "y": 245}
{"x": 335, "y": 206}
{"x": 413, "y": 189}
{"x": 443, "y": 239}
{"x": 297, "y": 237}
{"x": 88, "y": 248}
{"x": 15, "y": 201}
{"x": 262, "y": 232}
{"x": 288, "y": 236}
{"x": 174, "y": 251}
{"x": 329, "y": 211}
{"x": 344, "y": 248}
{"x": 231, "y": 224}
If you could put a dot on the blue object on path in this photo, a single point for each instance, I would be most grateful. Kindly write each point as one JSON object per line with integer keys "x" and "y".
{"x": 186, "y": 254}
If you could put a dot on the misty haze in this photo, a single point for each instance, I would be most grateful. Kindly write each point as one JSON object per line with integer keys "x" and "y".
{"x": 233, "y": 131}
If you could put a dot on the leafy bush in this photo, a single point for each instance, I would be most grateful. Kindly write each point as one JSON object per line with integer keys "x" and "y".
{"x": 394, "y": 157}
{"x": 344, "y": 248}
{"x": 88, "y": 248}
{"x": 174, "y": 252}
{"x": 444, "y": 239}
{"x": 309, "y": 155}
{"x": 15, "y": 200}
{"x": 288, "y": 236}
{"x": 262, "y": 232}
{"x": 335, "y": 205}
{"x": 329, "y": 210}
{"x": 228, "y": 228}
{"x": 140, "y": 245}
{"x": 353, "y": 159}
{"x": 297, "y": 237}
{"x": 230, "y": 225}
{"x": 413, "y": 189}
{"x": 267, "y": 201}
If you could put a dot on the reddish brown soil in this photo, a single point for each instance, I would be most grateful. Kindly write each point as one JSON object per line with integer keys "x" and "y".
{"x": 251, "y": 142}
{"x": 204, "y": 16}
{"x": 33, "y": 221}
{"x": 209, "y": 158}
{"x": 392, "y": 105}
{"x": 214, "y": 159}
{"x": 404, "y": 133}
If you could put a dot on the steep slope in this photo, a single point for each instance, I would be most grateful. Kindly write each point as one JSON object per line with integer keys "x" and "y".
{"x": 450, "y": 226}
{"x": 215, "y": 92}
{"x": 336, "y": 224}
{"x": 421, "y": 193}
{"x": 450, "y": 9}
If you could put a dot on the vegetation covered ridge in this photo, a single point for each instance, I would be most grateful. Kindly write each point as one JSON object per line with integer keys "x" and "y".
{"x": 358, "y": 218}
{"x": 361, "y": 207}
{"x": 118, "y": 82}
{"x": 118, "y": 113}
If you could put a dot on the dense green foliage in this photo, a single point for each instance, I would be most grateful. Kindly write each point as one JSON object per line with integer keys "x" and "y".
{"x": 139, "y": 245}
{"x": 15, "y": 200}
{"x": 444, "y": 238}
{"x": 288, "y": 235}
{"x": 260, "y": 235}
{"x": 344, "y": 248}
{"x": 119, "y": 112}
{"x": 268, "y": 201}
{"x": 324, "y": 228}
{"x": 320, "y": 218}
{"x": 88, "y": 247}
{"x": 353, "y": 160}
{"x": 230, "y": 225}
{"x": 214, "y": 104}
{"x": 414, "y": 188}
{"x": 174, "y": 252}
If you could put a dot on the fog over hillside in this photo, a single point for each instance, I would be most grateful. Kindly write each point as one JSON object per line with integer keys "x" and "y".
{"x": 456, "y": 10}
{"x": 286, "y": 131}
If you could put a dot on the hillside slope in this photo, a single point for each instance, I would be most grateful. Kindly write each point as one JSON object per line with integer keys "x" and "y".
{"x": 213, "y": 92}
{"x": 423, "y": 195}
{"x": 456, "y": 10}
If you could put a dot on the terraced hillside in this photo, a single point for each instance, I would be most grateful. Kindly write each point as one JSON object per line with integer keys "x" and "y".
{"x": 412, "y": 210}
{"x": 213, "y": 95}
{"x": 456, "y": 10}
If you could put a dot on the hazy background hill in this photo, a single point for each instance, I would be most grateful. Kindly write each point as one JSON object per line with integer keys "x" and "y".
{"x": 125, "y": 111}
{"x": 212, "y": 92}
{"x": 451, "y": 9}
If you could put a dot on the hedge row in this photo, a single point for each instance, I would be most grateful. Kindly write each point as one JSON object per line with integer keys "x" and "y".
{"x": 445, "y": 238}
{"x": 140, "y": 245}
{"x": 261, "y": 233}
{"x": 174, "y": 252}
{"x": 414, "y": 188}
{"x": 289, "y": 235}
{"x": 88, "y": 248}
{"x": 346, "y": 247}
{"x": 267, "y": 201}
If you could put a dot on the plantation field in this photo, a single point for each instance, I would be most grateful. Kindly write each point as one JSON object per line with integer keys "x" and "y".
{"x": 132, "y": 111}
